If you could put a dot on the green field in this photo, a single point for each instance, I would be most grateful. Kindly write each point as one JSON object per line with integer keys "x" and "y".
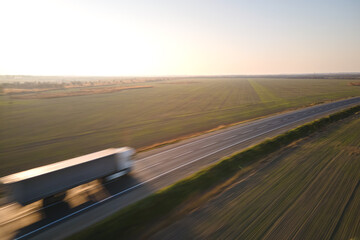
{"x": 34, "y": 132}
{"x": 310, "y": 190}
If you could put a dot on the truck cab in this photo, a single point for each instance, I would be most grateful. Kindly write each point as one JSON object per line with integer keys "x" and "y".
{"x": 124, "y": 163}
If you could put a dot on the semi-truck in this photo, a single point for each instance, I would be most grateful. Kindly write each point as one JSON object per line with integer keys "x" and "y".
{"x": 51, "y": 180}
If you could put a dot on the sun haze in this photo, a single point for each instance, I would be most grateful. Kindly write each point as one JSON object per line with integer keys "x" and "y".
{"x": 179, "y": 37}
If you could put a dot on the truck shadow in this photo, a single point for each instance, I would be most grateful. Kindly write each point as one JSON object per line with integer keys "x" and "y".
{"x": 120, "y": 185}
{"x": 76, "y": 201}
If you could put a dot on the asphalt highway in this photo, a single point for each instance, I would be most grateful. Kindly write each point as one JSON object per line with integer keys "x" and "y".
{"x": 153, "y": 170}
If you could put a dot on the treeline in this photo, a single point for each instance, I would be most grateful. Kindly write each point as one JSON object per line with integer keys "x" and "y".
{"x": 55, "y": 85}
{"x": 32, "y": 85}
{"x": 73, "y": 83}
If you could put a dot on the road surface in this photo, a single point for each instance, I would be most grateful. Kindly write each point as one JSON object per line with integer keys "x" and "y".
{"x": 153, "y": 170}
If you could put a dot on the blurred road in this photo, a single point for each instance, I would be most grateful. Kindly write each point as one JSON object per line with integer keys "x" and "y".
{"x": 153, "y": 170}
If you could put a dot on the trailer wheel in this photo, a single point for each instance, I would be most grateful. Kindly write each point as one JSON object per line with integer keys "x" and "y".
{"x": 54, "y": 198}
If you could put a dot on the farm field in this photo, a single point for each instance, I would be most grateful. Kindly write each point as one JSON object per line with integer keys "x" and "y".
{"x": 35, "y": 132}
{"x": 309, "y": 190}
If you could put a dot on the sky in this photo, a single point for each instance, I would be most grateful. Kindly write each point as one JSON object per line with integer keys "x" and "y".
{"x": 171, "y": 37}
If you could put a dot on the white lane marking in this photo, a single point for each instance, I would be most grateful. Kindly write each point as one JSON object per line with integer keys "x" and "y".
{"x": 259, "y": 121}
{"x": 182, "y": 154}
{"x": 145, "y": 168}
{"x": 208, "y": 145}
{"x": 155, "y": 164}
{"x": 149, "y": 180}
{"x": 246, "y": 132}
{"x": 140, "y": 170}
{"x": 230, "y": 137}
{"x": 197, "y": 141}
{"x": 152, "y": 179}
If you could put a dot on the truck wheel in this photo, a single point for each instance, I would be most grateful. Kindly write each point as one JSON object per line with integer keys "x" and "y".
{"x": 54, "y": 198}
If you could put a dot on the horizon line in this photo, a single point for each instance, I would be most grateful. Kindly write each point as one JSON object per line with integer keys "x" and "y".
{"x": 185, "y": 75}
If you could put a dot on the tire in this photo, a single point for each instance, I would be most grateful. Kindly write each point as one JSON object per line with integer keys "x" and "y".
{"x": 54, "y": 198}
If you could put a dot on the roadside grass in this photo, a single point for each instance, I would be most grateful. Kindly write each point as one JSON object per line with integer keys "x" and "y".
{"x": 137, "y": 217}
{"x": 310, "y": 191}
{"x": 35, "y": 132}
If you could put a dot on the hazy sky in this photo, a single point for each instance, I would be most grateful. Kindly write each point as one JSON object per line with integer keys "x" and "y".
{"x": 179, "y": 37}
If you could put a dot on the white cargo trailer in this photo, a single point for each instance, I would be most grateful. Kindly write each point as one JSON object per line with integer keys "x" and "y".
{"x": 47, "y": 181}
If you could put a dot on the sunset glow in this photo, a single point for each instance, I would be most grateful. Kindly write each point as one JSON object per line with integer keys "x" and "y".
{"x": 178, "y": 37}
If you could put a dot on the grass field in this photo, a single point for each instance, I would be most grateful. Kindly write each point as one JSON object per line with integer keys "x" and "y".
{"x": 311, "y": 190}
{"x": 82, "y": 92}
{"x": 34, "y": 132}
